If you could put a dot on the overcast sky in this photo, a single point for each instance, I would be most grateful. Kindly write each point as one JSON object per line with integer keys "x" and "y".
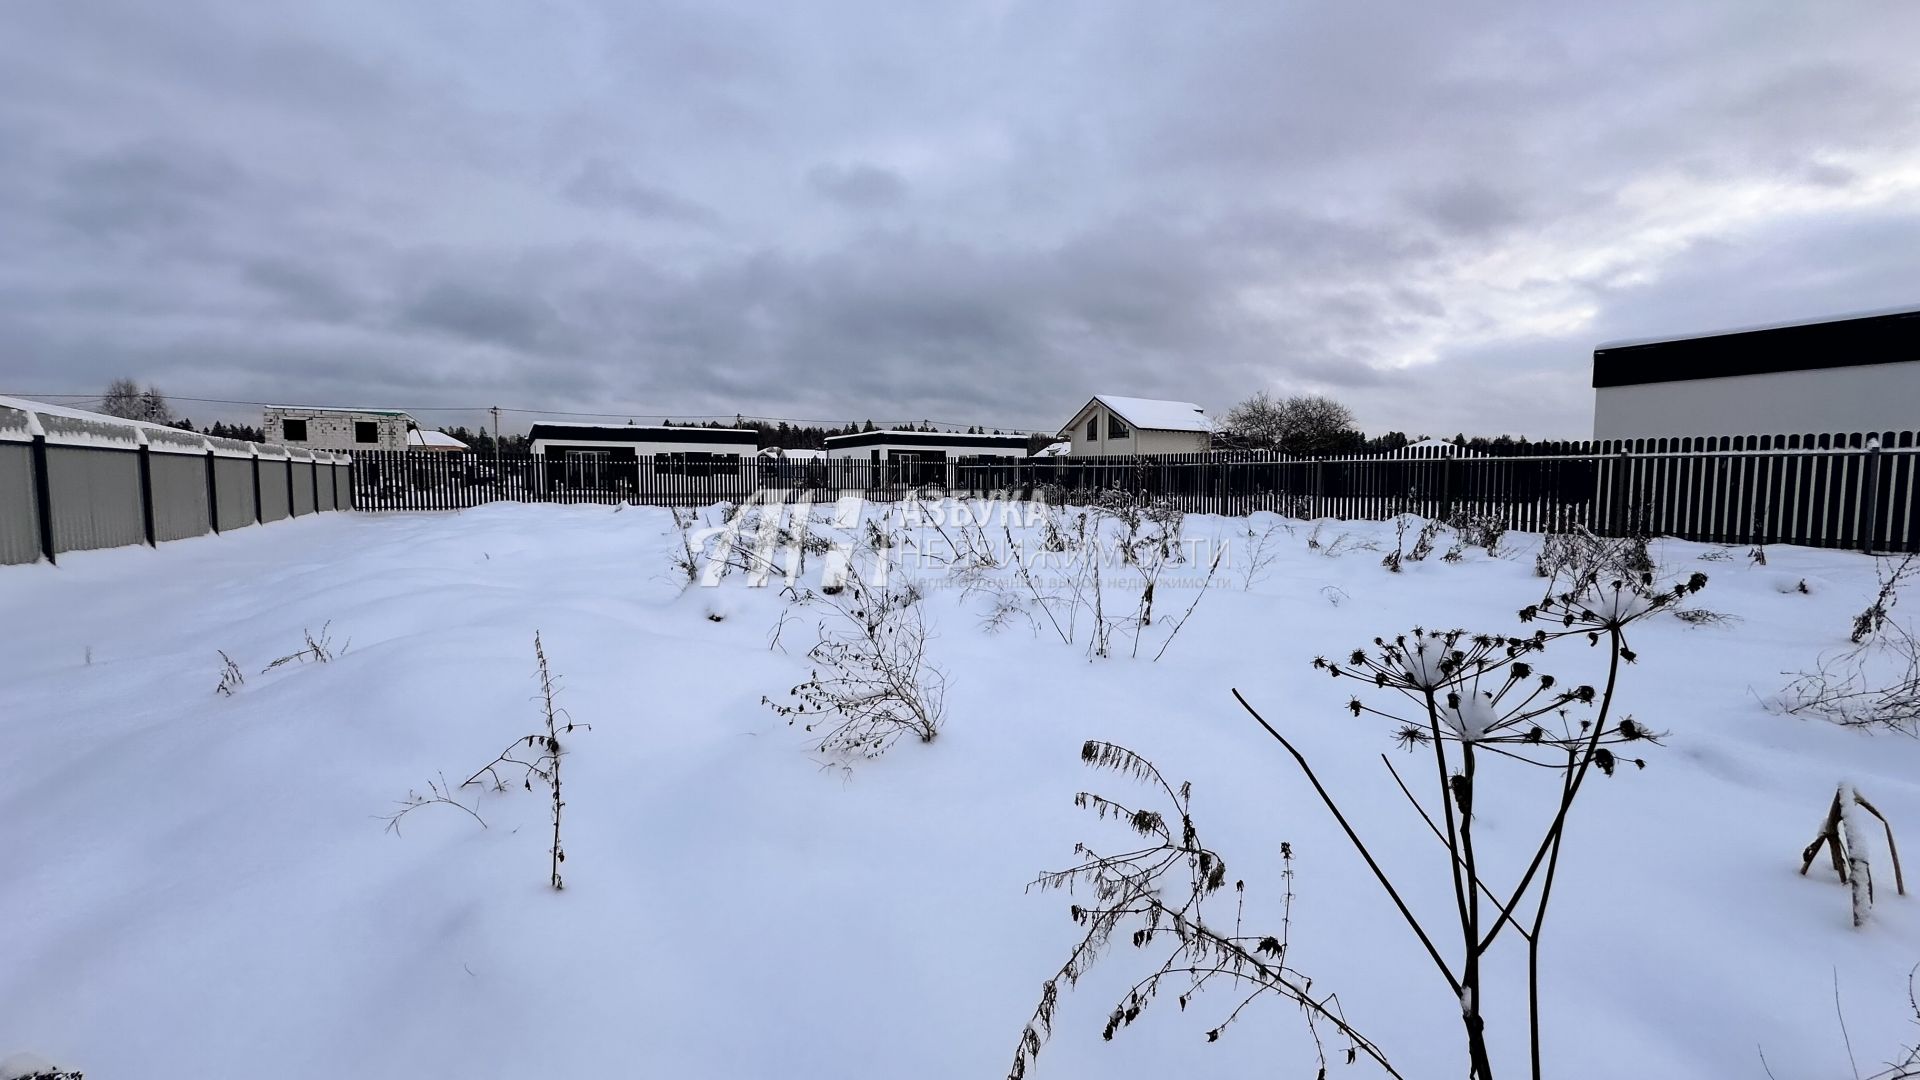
{"x": 972, "y": 212}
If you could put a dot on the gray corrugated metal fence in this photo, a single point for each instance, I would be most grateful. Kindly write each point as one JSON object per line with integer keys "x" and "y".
{"x": 274, "y": 496}
{"x": 72, "y": 481}
{"x": 303, "y": 481}
{"x": 179, "y": 495}
{"x": 233, "y": 492}
{"x": 95, "y": 496}
{"x": 20, "y": 524}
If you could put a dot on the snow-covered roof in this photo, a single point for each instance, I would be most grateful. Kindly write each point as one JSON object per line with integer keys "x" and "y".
{"x": 1154, "y": 414}
{"x": 434, "y": 440}
{"x": 791, "y": 453}
{"x": 1059, "y": 449}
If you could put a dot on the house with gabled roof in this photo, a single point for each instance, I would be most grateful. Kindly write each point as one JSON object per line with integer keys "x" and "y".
{"x": 1112, "y": 425}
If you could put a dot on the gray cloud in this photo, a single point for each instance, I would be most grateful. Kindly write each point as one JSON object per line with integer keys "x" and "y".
{"x": 702, "y": 208}
{"x": 143, "y": 188}
{"x": 860, "y": 186}
{"x": 605, "y": 184}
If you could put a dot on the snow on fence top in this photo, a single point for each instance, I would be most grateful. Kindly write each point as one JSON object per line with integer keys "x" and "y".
{"x": 77, "y": 427}
{"x": 21, "y": 420}
{"x": 17, "y": 425}
{"x": 175, "y": 441}
{"x": 63, "y": 430}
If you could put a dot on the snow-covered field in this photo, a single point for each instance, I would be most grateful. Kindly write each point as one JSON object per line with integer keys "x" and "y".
{"x": 199, "y": 886}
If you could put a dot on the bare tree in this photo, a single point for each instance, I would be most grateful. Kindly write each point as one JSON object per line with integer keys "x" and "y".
{"x": 154, "y": 407}
{"x": 1302, "y": 424}
{"x": 124, "y": 398}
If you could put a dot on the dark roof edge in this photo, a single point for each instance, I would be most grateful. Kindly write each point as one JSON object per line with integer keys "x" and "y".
{"x": 924, "y": 438}
{"x": 638, "y": 434}
{"x": 1859, "y": 341}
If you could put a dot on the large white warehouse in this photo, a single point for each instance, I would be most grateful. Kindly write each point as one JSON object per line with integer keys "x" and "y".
{"x": 1859, "y": 373}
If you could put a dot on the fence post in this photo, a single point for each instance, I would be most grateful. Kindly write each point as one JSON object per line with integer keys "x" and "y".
{"x": 1446, "y": 486}
{"x": 259, "y": 512}
{"x": 1870, "y": 521}
{"x": 213, "y": 497}
{"x": 146, "y": 492}
{"x": 1617, "y": 512}
{"x": 43, "y": 495}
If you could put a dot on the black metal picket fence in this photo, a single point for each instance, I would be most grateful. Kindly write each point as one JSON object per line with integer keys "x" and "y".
{"x": 403, "y": 480}
{"x": 1834, "y": 490}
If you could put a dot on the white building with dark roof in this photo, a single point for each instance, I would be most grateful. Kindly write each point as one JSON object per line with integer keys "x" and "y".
{"x": 1112, "y": 425}
{"x": 1857, "y": 373}
{"x": 919, "y": 457}
{"x": 603, "y": 457}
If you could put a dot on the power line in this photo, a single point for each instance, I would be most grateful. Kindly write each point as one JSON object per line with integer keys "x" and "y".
{"x": 76, "y": 398}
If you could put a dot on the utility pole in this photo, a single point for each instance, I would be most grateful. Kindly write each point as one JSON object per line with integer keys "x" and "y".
{"x": 498, "y": 478}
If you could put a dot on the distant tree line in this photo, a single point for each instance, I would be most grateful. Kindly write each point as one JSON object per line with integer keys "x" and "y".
{"x": 481, "y": 441}
{"x": 1314, "y": 426}
{"x": 130, "y": 401}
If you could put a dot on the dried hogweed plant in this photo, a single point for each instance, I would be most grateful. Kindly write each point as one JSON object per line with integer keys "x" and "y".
{"x": 526, "y": 759}
{"x": 1473, "y": 702}
{"x": 538, "y": 756}
{"x": 231, "y": 679}
{"x": 1154, "y": 895}
{"x": 871, "y": 680}
{"x": 1874, "y": 683}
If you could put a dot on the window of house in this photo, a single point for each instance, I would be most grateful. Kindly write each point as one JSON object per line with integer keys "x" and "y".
{"x": 1117, "y": 428}
{"x": 293, "y": 430}
{"x": 586, "y": 468}
{"x": 1093, "y": 428}
{"x": 366, "y": 431}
